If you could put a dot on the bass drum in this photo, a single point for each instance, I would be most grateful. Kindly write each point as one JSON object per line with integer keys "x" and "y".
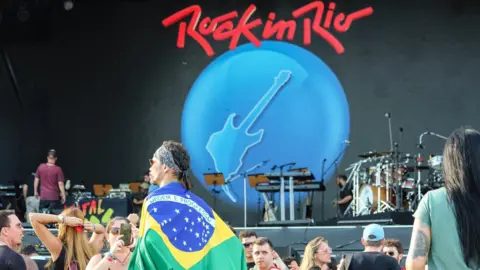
{"x": 368, "y": 201}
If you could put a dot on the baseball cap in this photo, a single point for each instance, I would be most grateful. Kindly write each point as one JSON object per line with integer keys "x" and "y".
{"x": 52, "y": 153}
{"x": 373, "y": 232}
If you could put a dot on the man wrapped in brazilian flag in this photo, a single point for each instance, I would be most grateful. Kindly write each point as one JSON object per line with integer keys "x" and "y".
{"x": 178, "y": 230}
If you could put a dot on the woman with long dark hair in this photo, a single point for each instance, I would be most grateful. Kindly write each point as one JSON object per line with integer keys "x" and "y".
{"x": 446, "y": 231}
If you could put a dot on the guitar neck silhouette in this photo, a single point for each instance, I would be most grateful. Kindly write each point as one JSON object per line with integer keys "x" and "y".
{"x": 228, "y": 146}
{"x": 281, "y": 79}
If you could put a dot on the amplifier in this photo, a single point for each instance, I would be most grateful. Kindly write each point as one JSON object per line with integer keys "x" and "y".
{"x": 119, "y": 193}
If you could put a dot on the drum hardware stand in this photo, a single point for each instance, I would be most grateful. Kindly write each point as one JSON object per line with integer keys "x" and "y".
{"x": 354, "y": 177}
{"x": 388, "y": 116}
{"x": 382, "y": 206}
{"x": 420, "y": 146}
{"x": 397, "y": 180}
{"x": 394, "y": 151}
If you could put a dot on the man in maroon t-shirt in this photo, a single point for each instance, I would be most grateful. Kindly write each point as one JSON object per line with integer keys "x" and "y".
{"x": 52, "y": 188}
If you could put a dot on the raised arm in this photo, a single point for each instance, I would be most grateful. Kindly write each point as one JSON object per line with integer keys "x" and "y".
{"x": 98, "y": 235}
{"x": 51, "y": 242}
{"x": 419, "y": 246}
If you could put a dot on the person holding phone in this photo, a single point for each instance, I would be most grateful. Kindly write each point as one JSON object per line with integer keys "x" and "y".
{"x": 121, "y": 238}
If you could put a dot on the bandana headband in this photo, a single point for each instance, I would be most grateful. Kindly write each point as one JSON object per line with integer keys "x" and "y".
{"x": 165, "y": 157}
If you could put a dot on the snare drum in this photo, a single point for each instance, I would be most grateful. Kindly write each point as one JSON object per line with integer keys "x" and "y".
{"x": 436, "y": 162}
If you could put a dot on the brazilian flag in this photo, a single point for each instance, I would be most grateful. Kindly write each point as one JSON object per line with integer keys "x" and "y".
{"x": 178, "y": 230}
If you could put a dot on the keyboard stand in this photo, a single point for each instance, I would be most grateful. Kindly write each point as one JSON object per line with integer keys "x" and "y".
{"x": 291, "y": 175}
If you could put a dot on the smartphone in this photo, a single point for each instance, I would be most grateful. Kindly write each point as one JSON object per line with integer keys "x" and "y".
{"x": 126, "y": 231}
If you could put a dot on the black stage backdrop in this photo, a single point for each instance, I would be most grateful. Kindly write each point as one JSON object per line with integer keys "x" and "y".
{"x": 108, "y": 84}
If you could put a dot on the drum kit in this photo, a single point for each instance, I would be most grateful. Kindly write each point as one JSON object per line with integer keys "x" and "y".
{"x": 392, "y": 181}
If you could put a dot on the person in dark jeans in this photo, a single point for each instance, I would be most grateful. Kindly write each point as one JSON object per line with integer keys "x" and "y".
{"x": 51, "y": 180}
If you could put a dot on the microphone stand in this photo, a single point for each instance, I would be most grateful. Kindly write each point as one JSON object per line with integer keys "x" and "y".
{"x": 388, "y": 116}
{"x": 215, "y": 192}
{"x": 348, "y": 244}
{"x": 398, "y": 187}
{"x": 244, "y": 174}
{"x": 420, "y": 160}
{"x": 323, "y": 193}
{"x": 336, "y": 159}
{"x": 335, "y": 163}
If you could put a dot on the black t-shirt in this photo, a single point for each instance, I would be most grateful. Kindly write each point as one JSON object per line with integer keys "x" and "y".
{"x": 347, "y": 191}
{"x": 250, "y": 265}
{"x": 372, "y": 261}
{"x": 10, "y": 259}
{"x": 139, "y": 195}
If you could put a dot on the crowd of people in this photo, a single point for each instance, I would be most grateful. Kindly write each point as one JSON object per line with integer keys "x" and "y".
{"x": 178, "y": 230}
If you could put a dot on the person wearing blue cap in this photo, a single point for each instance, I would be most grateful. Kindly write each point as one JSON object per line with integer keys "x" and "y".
{"x": 372, "y": 258}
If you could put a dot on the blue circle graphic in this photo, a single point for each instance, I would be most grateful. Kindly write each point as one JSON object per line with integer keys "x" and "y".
{"x": 278, "y": 102}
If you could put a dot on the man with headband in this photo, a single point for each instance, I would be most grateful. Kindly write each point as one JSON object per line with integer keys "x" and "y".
{"x": 178, "y": 230}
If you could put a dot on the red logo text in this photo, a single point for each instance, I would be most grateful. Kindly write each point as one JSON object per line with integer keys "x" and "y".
{"x": 222, "y": 27}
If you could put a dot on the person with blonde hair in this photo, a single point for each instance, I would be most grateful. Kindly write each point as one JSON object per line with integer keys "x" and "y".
{"x": 317, "y": 253}
{"x": 71, "y": 248}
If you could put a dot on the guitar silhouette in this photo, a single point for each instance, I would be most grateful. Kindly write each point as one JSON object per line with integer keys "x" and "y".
{"x": 228, "y": 146}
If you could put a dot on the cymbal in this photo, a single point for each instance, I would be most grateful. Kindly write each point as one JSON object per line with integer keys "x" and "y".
{"x": 375, "y": 154}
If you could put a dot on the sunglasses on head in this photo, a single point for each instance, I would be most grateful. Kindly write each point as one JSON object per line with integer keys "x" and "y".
{"x": 390, "y": 253}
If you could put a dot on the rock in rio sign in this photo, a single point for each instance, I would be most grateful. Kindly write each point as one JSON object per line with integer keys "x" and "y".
{"x": 223, "y": 28}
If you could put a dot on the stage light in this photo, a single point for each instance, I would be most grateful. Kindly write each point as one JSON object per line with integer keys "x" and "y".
{"x": 23, "y": 15}
{"x": 68, "y": 5}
